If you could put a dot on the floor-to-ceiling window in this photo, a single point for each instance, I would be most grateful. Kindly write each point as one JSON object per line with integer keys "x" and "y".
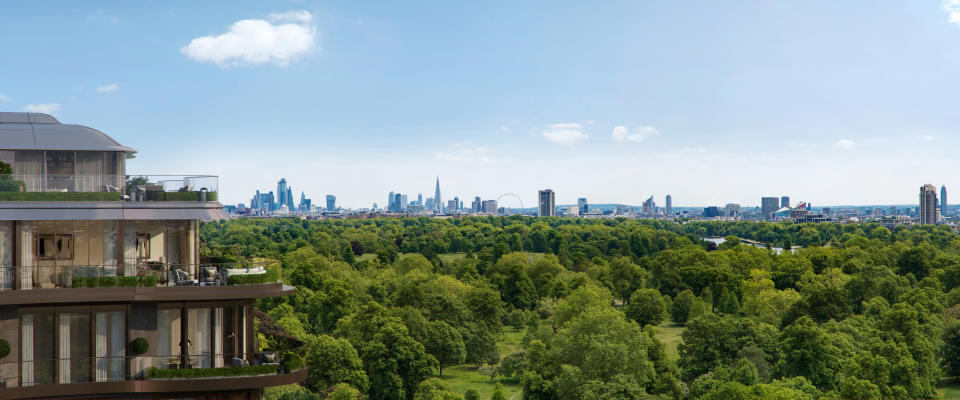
{"x": 72, "y": 345}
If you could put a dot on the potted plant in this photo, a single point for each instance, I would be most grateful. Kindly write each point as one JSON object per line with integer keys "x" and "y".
{"x": 140, "y": 346}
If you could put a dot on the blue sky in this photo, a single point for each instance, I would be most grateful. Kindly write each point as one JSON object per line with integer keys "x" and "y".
{"x": 713, "y": 102}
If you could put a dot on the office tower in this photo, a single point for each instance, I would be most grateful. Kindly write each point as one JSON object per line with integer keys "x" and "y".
{"x": 621, "y": 209}
{"x": 768, "y": 206}
{"x": 732, "y": 210}
{"x": 305, "y": 203}
{"x": 420, "y": 199}
{"x": 711, "y": 212}
{"x": 649, "y": 207}
{"x": 943, "y": 199}
{"x": 331, "y": 202}
{"x": 784, "y": 201}
{"x": 547, "y": 203}
{"x": 669, "y": 205}
{"x": 397, "y": 201}
{"x": 282, "y": 193}
{"x": 477, "y": 205}
{"x": 452, "y": 205}
{"x": 390, "y": 202}
{"x": 89, "y": 277}
{"x": 928, "y": 204}
{"x": 437, "y": 202}
{"x": 403, "y": 202}
{"x": 582, "y": 206}
{"x": 290, "y": 199}
{"x": 490, "y": 207}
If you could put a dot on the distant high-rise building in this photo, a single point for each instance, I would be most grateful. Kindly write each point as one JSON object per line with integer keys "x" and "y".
{"x": 476, "y": 206}
{"x": 582, "y": 206}
{"x": 420, "y": 199}
{"x": 649, "y": 206}
{"x": 403, "y": 203}
{"x": 732, "y": 210}
{"x": 928, "y": 204}
{"x": 548, "y": 204}
{"x": 669, "y": 205}
{"x": 768, "y": 206}
{"x": 489, "y": 207}
{"x": 453, "y": 205}
{"x": 390, "y": 202}
{"x": 711, "y": 212}
{"x": 784, "y": 201}
{"x": 331, "y": 202}
{"x": 282, "y": 193}
{"x": 289, "y": 204}
{"x": 305, "y": 203}
{"x": 943, "y": 199}
{"x": 397, "y": 201}
{"x": 437, "y": 202}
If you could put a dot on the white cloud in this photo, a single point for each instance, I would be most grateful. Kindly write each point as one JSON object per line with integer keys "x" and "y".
{"x": 280, "y": 40}
{"x": 568, "y": 134}
{"x": 46, "y": 108}
{"x": 113, "y": 87}
{"x": 504, "y": 128}
{"x": 952, "y": 7}
{"x": 298, "y": 16}
{"x": 637, "y": 135}
{"x": 927, "y": 138}
{"x": 844, "y": 144}
{"x": 476, "y": 155}
{"x": 4, "y": 97}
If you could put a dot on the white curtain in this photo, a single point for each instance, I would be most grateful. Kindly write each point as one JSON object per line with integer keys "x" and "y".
{"x": 26, "y": 255}
{"x": 168, "y": 336}
{"x": 7, "y": 273}
{"x": 109, "y": 346}
{"x": 29, "y": 169}
{"x": 26, "y": 350}
{"x": 90, "y": 172}
{"x": 100, "y": 348}
{"x": 218, "y": 337}
{"x": 129, "y": 248}
{"x": 198, "y": 337}
{"x": 110, "y": 248}
{"x": 64, "y": 355}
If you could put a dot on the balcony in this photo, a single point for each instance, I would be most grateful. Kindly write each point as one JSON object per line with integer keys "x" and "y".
{"x": 195, "y": 373}
{"x": 144, "y": 282}
{"x": 105, "y": 188}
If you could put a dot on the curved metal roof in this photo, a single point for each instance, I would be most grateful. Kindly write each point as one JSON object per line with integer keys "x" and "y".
{"x": 36, "y": 131}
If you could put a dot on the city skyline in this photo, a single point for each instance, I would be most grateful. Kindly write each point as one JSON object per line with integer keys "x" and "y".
{"x": 602, "y": 107}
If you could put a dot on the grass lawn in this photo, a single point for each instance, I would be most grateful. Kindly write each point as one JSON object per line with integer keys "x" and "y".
{"x": 461, "y": 377}
{"x": 949, "y": 389}
{"x": 669, "y": 334}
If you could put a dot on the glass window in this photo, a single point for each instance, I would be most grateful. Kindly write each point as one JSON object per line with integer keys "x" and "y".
{"x": 168, "y": 338}
{"x": 198, "y": 338}
{"x": 110, "y": 339}
{"x": 60, "y": 171}
{"x": 74, "y": 347}
{"x": 55, "y": 247}
{"x": 37, "y": 349}
{"x": 143, "y": 246}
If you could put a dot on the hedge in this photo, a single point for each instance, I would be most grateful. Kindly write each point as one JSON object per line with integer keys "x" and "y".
{"x": 270, "y": 277}
{"x": 293, "y": 362}
{"x": 114, "y": 281}
{"x": 179, "y": 196}
{"x": 60, "y": 196}
{"x": 158, "y": 373}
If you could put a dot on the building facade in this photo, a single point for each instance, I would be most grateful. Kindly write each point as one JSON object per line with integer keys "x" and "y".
{"x": 582, "y": 206}
{"x": 669, "y": 204}
{"x": 768, "y": 206}
{"x": 331, "y": 202}
{"x": 103, "y": 292}
{"x": 547, "y": 203}
{"x": 928, "y": 204}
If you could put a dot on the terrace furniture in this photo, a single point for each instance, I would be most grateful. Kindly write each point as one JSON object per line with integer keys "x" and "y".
{"x": 208, "y": 275}
{"x": 228, "y": 272}
{"x": 239, "y": 362}
{"x": 180, "y": 277}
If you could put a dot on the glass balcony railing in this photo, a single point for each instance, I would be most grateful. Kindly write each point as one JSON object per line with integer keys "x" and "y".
{"x": 56, "y": 371}
{"x": 53, "y": 187}
{"x": 144, "y": 274}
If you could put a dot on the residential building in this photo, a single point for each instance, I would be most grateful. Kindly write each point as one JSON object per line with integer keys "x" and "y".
{"x": 548, "y": 202}
{"x": 109, "y": 267}
{"x": 928, "y": 204}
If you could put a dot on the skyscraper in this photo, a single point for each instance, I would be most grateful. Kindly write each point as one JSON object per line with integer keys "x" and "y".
{"x": 943, "y": 199}
{"x": 397, "y": 201}
{"x": 403, "y": 203}
{"x": 669, "y": 205}
{"x": 390, "y": 202}
{"x": 477, "y": 205}
{"x": 547, "y": 203}
{"x": 331, "y": 202}
{"x": 768, "y": 206}
{"x": 419, "y": 199}
{"x": 282, "y": 193}
{"x": 582, "y": 206}
{"x": 437, "y": 203}
{"x": 784, "y": 201}
{"x": 928, "y": 204}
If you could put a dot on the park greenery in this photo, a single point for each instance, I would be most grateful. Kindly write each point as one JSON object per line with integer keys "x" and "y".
{"x": 388, "y": 307}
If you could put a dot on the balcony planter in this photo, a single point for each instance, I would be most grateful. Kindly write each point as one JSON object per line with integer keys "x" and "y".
{"x": 154, "y": 373}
